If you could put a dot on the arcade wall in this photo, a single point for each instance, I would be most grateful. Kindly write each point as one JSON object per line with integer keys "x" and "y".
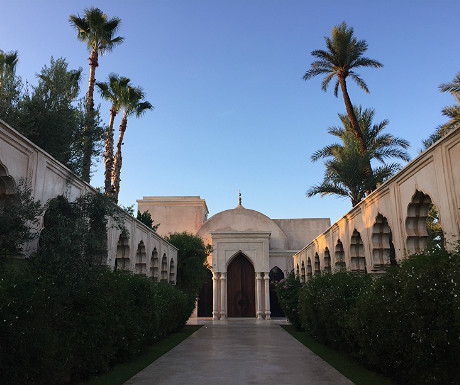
{"x": 390, "y": 223}
{"x": 143, "y": 251}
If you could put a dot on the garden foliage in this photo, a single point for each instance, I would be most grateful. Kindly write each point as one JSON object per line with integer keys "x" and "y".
{"x": 57, "y": 332}
{"x": 287, "y": 291}
{"x": 405, "y": 323}
{"x": 191, "y": 261}
{"x": 64, "y": 316}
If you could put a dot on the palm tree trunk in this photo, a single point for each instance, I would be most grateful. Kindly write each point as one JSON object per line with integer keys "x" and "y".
{"x": 118, "y": 160}
{"x": 351, "y": 115}
{"x": 89, "y": 118}
{"x": 108, "y": 152}
{"x": 357, "y": 130}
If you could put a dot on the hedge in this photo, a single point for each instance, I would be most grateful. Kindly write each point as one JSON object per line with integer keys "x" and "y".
{"x": 404, "y": 324}
{"x": 56, "y": 332}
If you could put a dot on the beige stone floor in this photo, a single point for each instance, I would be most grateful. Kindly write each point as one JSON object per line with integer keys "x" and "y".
{"x": 239, "y": 351}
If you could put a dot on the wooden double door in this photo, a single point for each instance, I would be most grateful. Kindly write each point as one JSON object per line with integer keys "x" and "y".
{"x": 241, "y": 288}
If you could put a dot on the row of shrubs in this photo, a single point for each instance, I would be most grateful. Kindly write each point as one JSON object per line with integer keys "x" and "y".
{"x": 58, "y": 331}
{"x": 404, "y": 323}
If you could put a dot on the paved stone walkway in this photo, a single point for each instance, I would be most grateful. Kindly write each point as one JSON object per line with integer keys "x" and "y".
{"x": 239, "y": 351}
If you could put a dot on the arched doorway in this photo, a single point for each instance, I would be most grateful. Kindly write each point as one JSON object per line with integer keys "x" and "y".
{"x": 275, "y": 275}
{"x": 205, "y": 297}
{"x": 241, "y": 288}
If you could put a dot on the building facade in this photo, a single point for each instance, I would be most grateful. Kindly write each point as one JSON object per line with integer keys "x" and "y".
{"x": 250, "y": 251}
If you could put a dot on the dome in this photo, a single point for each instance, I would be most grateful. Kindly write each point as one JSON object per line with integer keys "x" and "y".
{"x": 243, "y": 220}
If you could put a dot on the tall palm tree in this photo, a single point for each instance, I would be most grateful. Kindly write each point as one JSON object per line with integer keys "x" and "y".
{"x": 346, "y": 167}
{"x": 452, "y": 112}
{"x": 344, "y": 54}
{"x": 98, "y": 32}
{"x": 8, "y": 61}
{"x": 113, "y": 91}
{"x": 133, "y": 105}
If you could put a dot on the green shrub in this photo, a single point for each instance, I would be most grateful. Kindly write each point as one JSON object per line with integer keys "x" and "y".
{"x": 192, "y": 264}
{"x": 325, "y": 302}
{"x": 57, "y": 332}
{"x": 407, "y": 324}
{"x": 287, "y": 291}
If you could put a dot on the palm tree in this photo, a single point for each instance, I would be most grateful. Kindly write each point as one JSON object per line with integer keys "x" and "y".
{"x": 452, "y": 112}
{"x": 344, "y": 54}
{"x": 8, "y": 61}
{"x": 346, "y": 167}
{"x": 112, "y": 91}
{"x": 133, "y": 105}
{"x": 98, "y": 32}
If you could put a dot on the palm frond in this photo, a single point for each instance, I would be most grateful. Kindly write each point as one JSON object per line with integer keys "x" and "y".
{"x": 453, "y": 87}
{"x": 360, "y": 82}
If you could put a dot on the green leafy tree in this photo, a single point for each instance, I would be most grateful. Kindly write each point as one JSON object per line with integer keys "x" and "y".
{"x": 287, "y": 291}
{"x": 146, "y": 219}
{"x": 344, "y": 54}
{"x": 191, "y": 264}
{"x": 113, "y": 92}
{"x": 50, "y": 116}
{"x": 19, "y": 219}
{"x": 346, "y": 167}
{"x": 133, "y": 105}
{"x": 98, "y": 32}
{"x": 74, "y": 237}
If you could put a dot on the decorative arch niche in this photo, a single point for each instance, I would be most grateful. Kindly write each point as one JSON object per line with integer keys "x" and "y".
{"x": 141, "y": 259}
{"x": 423, "y": 224}
{"x": 154, "y": 262}
{"x": 357, "y": 259}
{"x": 340, "y": 256}
{"x": 327, "y": 260}
{"x": 172, "y": 279}
{"x": 6, "y": 184}
{"x": 302, "y": 272}
{"x": 122, "y": 261}
{"x": 317, "y": 265}
{"x": 309, "y": 269}
{"x": 383, "y": 250}
{"x": 164, "y": 268}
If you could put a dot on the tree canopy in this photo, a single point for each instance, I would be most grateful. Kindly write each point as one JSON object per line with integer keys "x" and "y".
{"x": 191, "y": 264}
{"x": 346, "y": 167}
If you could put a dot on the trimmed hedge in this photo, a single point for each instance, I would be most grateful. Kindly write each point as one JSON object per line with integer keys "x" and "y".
{"x": 55, "y": 331}
{"x": 404, "y": 324}
{"x": 287, "y": 291}
{"x": 324, "y": 304}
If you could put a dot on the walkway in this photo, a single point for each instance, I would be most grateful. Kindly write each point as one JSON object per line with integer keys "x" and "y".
{"x": 239, "y": 351}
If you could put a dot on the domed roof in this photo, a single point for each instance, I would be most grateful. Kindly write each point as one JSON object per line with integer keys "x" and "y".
{"x": 241, "y": 219}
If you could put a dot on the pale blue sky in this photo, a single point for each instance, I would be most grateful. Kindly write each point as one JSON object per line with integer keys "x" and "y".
{"x": 231, "y": 109}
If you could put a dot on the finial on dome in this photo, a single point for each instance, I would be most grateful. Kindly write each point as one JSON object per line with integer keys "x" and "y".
{"x": 239, "y": 198}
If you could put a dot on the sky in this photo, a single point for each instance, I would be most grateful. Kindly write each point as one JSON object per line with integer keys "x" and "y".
{"x": 225, "y": 77}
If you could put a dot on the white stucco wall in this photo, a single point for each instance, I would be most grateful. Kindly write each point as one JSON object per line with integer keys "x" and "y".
{"x": 20, "y": 158}
{"x": 436, "y": 173}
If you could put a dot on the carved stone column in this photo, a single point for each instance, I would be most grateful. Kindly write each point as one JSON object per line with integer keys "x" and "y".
{"x": 267, "y": 295}
{"x": 259, "y": 295}
{"x": 223, "y": 296}
{"x": 215, "y": 298}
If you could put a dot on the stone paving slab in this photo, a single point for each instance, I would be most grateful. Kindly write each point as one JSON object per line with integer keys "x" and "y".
{"x": 239, "y": 351}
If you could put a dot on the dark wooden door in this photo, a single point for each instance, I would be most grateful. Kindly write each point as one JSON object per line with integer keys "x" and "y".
{"x": 205, "y": 297}
{"x": 241, "y": 288}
